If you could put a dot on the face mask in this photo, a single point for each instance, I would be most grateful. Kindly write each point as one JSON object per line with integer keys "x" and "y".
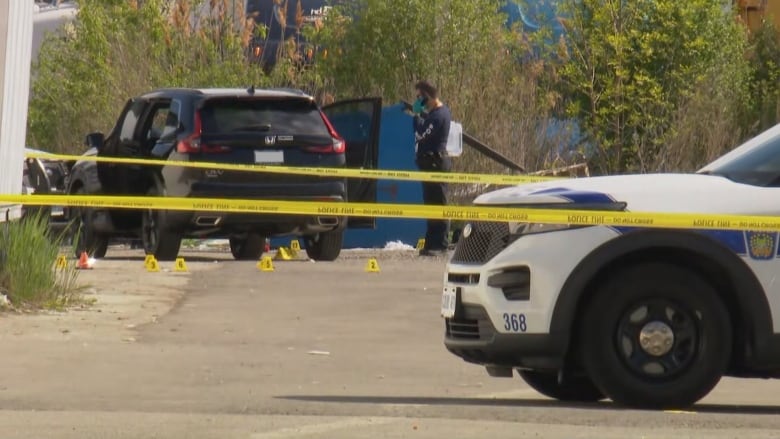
{"x": 418, "y": 105}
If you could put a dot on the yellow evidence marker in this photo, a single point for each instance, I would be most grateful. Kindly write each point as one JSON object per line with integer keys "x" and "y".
{"x": 152, "y": 265}
{"x": 61, "y": 263}
{"x": 180, "y": 266}
{"x": 283, "y": 254}
{"x": 265, "y": 264}
{"x": 372, "y": 266}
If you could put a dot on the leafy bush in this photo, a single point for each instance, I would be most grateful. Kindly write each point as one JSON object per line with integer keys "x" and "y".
{"x": 650, "y": 85}
{"x": 382, "y": 47}
{"x": 649, "y": 80}
{"x": 764, "y": 56}
{"x": 116, "y": 49}
{"x": 28, "y": 275}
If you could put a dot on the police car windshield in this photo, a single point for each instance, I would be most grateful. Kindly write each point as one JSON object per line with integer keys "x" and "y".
{"x": 755, "y": 162}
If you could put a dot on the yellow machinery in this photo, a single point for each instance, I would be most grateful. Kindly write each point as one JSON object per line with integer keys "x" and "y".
{"x": 753, "y": 12}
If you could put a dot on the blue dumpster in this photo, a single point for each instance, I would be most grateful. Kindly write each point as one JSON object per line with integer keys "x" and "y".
{"x": 396, "y": 152}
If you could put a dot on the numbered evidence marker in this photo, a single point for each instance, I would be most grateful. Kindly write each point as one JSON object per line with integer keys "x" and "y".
{"x": 295, "y": 246}
{"x": 62, "y": 263}
{"x": 265, "y": 264}
{"x": 152, "y": 265}
{"x": 282, "y": 254}
{"x": 420, "y": 243}
{"x": 372, "y": 266}
{"x": 180, "y": 265}
{"x": 148, "y": 260}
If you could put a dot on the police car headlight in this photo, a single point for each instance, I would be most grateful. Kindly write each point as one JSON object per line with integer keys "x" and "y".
{"x": 517, "y": 228}
{"x": 520, "y": 229}
{"x": 544, "y": 228}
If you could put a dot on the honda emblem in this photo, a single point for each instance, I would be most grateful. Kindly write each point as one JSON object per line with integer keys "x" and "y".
{"x": 270, "y": 140}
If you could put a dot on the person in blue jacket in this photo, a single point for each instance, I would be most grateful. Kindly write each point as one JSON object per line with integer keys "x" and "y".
{"x": 431, "y": 130}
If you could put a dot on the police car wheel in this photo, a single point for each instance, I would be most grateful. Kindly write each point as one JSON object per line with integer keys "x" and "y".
{"x": 573, "y": 388}
{"x": 656, "y": 336}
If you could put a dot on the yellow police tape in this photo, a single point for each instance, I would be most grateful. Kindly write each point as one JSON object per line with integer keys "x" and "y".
{"x": 466, "y": 213}
{"x": 440, "y": 177}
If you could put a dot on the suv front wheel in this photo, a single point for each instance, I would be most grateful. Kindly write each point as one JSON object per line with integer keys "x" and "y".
{"x": 249, "y": 248}
{"x": 325, "y": 246}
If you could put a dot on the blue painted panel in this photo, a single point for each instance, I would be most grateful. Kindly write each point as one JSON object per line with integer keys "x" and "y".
{"x": 396, "y": 152}
{"x": 577, "y": 196}
{"x": 733, "y": 239}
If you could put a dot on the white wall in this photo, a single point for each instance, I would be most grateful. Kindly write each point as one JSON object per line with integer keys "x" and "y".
{"x": 16, "y": 25}
{"x": 50, "y": 20}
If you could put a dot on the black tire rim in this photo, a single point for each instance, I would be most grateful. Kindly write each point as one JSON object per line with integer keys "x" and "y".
{"x": 658, "y": 339}
{"x": 150, "y": 231}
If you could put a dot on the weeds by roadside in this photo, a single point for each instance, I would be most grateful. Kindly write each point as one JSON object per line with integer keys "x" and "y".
{"x": 29, "y": 277}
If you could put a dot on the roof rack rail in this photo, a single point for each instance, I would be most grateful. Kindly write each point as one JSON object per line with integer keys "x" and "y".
{"x": 290, "y": 90}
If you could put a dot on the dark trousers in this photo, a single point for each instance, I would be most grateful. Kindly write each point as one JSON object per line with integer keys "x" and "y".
{"x": 435, "y": 194}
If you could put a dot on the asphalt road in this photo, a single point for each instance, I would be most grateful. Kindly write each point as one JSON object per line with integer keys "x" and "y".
{"x": 314, "y": 350}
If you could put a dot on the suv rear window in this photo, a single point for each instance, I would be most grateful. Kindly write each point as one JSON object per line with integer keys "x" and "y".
{"x": 281, "y": 116}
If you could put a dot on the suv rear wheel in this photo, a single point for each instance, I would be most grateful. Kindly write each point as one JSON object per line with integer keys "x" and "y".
{"x": 325, "y": 246}
{"x": 156, "y": 234}
{"x": 249, "y": 248}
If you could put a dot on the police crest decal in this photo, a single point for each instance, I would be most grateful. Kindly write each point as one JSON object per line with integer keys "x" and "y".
{"x": 761, "y": 245}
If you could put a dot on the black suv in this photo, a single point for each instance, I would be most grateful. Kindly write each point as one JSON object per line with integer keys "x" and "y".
{"x": 248, "y": 126}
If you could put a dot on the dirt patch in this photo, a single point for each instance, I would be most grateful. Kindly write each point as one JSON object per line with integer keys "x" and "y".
{"x": 125, "y": 296}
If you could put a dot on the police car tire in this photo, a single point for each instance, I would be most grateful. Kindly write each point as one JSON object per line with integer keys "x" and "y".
{"x": 674, "y": 285}
{"x": 573, "y": 388}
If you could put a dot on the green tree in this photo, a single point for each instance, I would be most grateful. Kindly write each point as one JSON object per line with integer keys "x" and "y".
{"x": 382, "y": 47}
{"x": 116, "y": 49}
{"x": 636, "y": 70}
{"x": 764, "y": 56}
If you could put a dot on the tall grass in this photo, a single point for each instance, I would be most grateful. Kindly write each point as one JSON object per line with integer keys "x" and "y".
{"x": 28, "y": 273}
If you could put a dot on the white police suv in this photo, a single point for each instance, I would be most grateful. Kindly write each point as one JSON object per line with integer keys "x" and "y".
{"x": 648, "y": 317}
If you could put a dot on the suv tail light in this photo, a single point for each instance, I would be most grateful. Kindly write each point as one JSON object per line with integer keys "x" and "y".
{"x": 192, "y": 143}
{"x": 339, "y": 146}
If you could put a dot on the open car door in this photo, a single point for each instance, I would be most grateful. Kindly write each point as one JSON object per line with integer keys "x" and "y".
{"x": 357, "y": 121}
{"x": 115, "y": 178}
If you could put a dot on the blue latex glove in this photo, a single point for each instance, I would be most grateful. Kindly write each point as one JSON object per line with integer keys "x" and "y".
{"x": 417, "y": 108}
